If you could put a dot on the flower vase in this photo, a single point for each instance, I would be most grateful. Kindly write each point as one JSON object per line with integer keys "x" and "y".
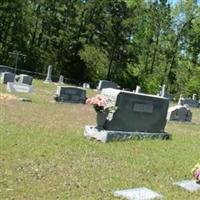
{"x": 101, "y": 119}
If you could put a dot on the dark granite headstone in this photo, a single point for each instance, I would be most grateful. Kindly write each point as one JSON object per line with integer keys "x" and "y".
{"x": 7, "y": 77}
{"x": 139, "y": 112}
{"x": 135, "y": 116}
{"x": 70, "y": 94}
{"x": 179, "y": 113}
{"x": 106, "y": 84}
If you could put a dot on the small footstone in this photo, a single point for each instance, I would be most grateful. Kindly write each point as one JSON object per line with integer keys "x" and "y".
{"x": 188, "y": 185}
{"x": 138, "y": 194}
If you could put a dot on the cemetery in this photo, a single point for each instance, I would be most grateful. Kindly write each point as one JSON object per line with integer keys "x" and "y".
{"x": 100, "y": 100}
{"x": 44, "y": 145}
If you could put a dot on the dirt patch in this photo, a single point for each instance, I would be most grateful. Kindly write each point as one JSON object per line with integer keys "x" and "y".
{"x": 7, "y": 97}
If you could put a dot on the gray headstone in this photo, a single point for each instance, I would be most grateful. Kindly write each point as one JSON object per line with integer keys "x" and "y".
{"x": 25, "y": 79}
{"x": 70, "y": 94}
{"x": 61, "y": 79}
{"x": 163, "y": 91}
{"x": 179, "y": 113}
{"x": 48, "y": 78}
{"x": 138, "y": 194}
{"x": 139, "y": 112}
{"x": 7, "y": 77}
{"x": 188, "y": 101}
{"x": 194, "y": 96}
{"x": 106, "y": 84}
{"x": 189, "y": 185}
{"x": 138, "y": 89}
{"x": 17, "y": 87}
{"x": 86, "y": 86}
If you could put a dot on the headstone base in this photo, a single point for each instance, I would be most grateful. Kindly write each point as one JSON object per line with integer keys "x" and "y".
{"x": 93, "y": 132}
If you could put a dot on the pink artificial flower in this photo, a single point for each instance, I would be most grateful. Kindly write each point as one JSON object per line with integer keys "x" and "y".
{"x": 98, "y": 100}
{"x": 197, "y": 174}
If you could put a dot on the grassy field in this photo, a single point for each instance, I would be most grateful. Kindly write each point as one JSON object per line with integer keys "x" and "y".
{"x": 44, "y": 155}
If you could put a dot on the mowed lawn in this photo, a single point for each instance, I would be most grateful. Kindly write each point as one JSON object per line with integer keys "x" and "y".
{"x": 44, "y": 155}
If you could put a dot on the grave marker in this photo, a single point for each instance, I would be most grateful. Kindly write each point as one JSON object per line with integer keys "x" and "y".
{"x": 70, "y": 94}
{"x": 137, "y": 115}
{"x": 106, "y": 84}
{"x": 48, "y": 78}
{"x": 25, "y": 79}
{"x": 138, "y": 194}
{"x": 7, "y": 77}
{"x": 189, "y": 185}
{"x": 17, "y": 87}
{"x": 179, "y": 113}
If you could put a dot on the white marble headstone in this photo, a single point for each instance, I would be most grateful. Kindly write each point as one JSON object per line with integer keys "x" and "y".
{"x": 16, "y": 87}
{"x": 138, "y": 194}
{"x": 189, "y": 185}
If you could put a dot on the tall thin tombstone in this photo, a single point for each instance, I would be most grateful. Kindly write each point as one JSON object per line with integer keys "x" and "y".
{"x": 48, "y": 78}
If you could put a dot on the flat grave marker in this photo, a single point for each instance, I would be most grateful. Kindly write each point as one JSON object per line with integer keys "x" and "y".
{"x": 189, "y": 185}
{"x": 138, "y": 194}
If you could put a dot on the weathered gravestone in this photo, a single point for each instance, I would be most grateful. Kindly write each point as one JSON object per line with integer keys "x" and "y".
{"x": 137, "y": 115}
{"x": 106, "y": 84}
{"x": 179, "y": 113}
{"x": 48, "y": 78}
{"x": 70, "y": 94}
{"x": 25, "y": 79}
{"x": 7, "y": 77}
{"x": 17, "y": 87}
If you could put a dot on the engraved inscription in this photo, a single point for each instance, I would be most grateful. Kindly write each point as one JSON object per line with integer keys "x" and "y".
{"x": 145, "y": 108}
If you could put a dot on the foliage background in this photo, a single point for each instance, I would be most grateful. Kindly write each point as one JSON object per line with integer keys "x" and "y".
{"x": 149, "y": 43}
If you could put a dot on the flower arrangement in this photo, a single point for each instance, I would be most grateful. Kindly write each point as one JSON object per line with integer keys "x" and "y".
{"x": 196, "y": 172}
{"x": 104, "y": 112}
{"x": 99, "y": 102}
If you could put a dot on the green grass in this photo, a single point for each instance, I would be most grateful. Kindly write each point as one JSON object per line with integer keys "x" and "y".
{"x": 44, "y": 154}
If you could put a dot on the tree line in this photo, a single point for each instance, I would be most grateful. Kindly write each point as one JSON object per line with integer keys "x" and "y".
{"x": 136, "y": 42}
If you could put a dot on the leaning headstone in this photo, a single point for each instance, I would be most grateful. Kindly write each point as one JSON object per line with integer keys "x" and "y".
{"x": 25, "y": 79}
{"x": 136, "y": 116}
{"x": 189, "y": 185}
{"x": 179, "y": 113}
{"x": 138, "y": 194}
{"x": 48, "y": 78}
{"x": 7, "y": 77}
{"x": 17, "y": 87}
{"x": 106, "y": 84}
{"x": 69, "y": 94}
